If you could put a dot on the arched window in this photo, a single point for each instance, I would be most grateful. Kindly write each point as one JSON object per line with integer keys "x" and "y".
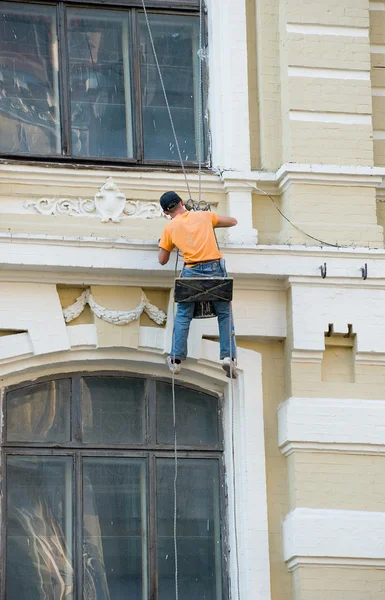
{"x": 88, "y": 474}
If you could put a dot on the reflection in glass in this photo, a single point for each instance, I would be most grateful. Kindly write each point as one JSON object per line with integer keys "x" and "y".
{"x": 29, "y": 103}
{"x": 40, "y": 413}
{"x": 39, "y": 528}
{"x": 113, "y": 410}
{"x": 98, "y": 46}
{"x": 176, "y": 43}
{"x": 196, "y": 416}
{"x": 114, "y": 529}
{"x": 198, "y": 529}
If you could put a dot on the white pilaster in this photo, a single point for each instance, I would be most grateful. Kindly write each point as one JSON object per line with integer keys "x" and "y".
{"x": 228, "y": 93}
{"x": 240, "y": 206}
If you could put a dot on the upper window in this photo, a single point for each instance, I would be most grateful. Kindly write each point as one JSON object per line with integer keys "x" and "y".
{"x": 82, "y": 83}
{"x": 88, "y": 480}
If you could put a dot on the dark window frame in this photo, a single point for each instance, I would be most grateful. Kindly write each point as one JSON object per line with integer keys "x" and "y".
{"x": 147, "y": 451}
{"x": 174, "y": 7}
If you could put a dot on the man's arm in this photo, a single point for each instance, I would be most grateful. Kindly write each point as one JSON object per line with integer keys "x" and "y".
{"x": 163, "y": 256}
{"x": 226, "y": 222}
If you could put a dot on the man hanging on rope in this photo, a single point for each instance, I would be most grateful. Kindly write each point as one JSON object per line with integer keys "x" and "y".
{"x": 192, "y": 232}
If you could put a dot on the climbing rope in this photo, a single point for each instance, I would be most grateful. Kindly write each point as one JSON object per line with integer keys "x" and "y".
{"x": 200, "y": 101}
{"x": 165, "y": 97}
{"x": 235, "y": 522}
{"x": 200, "y": 205}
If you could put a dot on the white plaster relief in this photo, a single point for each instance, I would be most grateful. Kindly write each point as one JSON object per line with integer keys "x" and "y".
{"x": 337, "y": 535}
{"x": 312, "y": 29}
{"x": 331, "y": 424}
{"x": 317, "y": 73}
{"x": 110, "y": 204}
{"x": 115, "y": 317}
{"x": 326, "y": 117}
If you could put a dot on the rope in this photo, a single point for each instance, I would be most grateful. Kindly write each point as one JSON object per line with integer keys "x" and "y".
{"x": 165, "y": 97}
{"x": 175, "y": 445}
{"x": 233, "y": 456}
{"x": 200, "y": 116}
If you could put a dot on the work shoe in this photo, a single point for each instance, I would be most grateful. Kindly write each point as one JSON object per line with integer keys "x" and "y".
{"x": 229, "y": 365}
{"x": 174, "y": 366}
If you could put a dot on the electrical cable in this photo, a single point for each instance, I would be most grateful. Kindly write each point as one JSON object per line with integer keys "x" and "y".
{"x": 312, "y": 237}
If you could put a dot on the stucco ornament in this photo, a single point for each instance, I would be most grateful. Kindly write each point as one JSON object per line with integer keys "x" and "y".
{"x": 116, "y": 317}
{"x": 109, "y": 203}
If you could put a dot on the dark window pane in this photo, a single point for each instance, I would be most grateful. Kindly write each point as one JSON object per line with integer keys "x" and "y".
{"x": 176, "y": 40}
{"x": 40, "y": 413}
{"x": 39, "y": 528}
{"x": 115, "y": 535}
{"x": 196, "y": 416}
{"x": 198, "y": 529}
{"x": 99, "y": 57}
{"x": 29, "y": 104}
{"x": 113, "y": 410}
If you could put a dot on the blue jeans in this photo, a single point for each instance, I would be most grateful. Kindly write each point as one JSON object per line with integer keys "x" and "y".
{"x": 185, "y": 314}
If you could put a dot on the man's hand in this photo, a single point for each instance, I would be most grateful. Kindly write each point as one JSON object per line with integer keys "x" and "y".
{"x": 226, "y": 222}
{"x": 163, "y": 256}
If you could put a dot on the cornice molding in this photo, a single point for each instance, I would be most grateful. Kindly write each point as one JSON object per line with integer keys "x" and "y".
{"x": 218, "y": 180}
{"x": 350, "y": 563}
{"x": 289, "y": 448}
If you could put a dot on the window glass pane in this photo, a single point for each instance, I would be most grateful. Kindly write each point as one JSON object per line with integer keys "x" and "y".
{"x": 176, "y": 40}
{"x": 40, "y": 413}
{"x": 115, "y": 530}
{"x": 196, "y": 416}
{"x": 198, "y": 529}
{"x": 29, "y": 104}
{"x": 99, "y": 63}
{"x": 39, "y": 528}
{"x": 113, "y": 410}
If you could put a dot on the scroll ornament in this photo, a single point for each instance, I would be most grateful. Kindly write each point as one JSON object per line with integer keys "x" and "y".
{"x": 109, "y": 203}
{"x": 115, "y": 317}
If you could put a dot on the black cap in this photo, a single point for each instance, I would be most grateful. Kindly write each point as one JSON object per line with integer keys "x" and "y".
{"x": 169, "y": 200}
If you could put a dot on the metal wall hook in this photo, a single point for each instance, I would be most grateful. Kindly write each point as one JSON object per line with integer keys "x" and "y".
{"x": 364, "y": 271}
{"x": 323, "y": 269}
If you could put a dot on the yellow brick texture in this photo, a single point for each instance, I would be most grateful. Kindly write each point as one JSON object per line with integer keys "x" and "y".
{"x": 377, "y": 26}
{"x": 269, "y": 83}
{"x": 306, "y": 382}
{"x": 336, "y": 481}
{"x": 338, "y": 583}
{"x": 335, "y": 214}
{"x": 255, "y": 158}
{"x": 266, "y": 219}
{"x": 330, "y": 95}
{"x": 330, "y": 143}
{"x": 328, "y": 51}
{"x": 347, "y": 13}
{"x": 276, "y": 466}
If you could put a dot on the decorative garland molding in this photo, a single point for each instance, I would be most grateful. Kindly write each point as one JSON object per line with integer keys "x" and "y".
{"x": 109, "y": 203}
{"x": 115, "y": 317}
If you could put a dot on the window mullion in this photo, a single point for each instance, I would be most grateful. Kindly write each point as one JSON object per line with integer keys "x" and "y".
{"x": 78, "y": 527}
{"x": 65, "y": 102}
{"x": 153, "y": 574}
{"x": 137, "y": 86}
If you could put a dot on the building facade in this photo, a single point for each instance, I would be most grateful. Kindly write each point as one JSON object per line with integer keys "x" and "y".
{"x": 280, "y": 479}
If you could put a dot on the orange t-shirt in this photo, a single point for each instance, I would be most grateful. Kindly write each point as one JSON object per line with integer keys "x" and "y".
{"x": 193, "y": 234}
